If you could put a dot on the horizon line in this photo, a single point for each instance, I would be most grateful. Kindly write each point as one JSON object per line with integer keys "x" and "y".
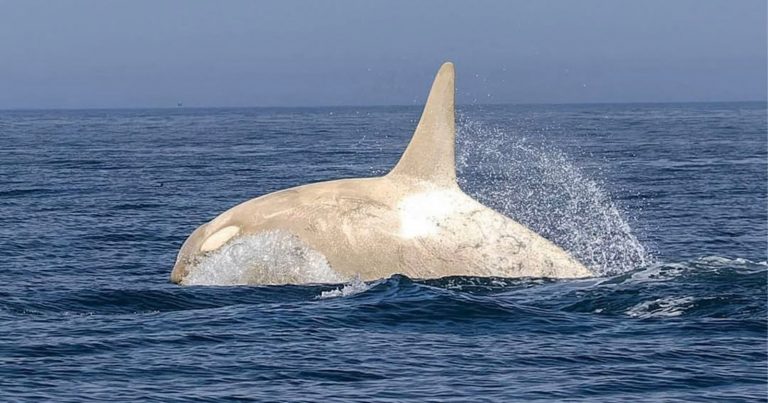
{"x": 373, "y": 105}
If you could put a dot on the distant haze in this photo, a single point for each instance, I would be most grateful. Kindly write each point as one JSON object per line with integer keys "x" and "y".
{"x": 104, "y": 54}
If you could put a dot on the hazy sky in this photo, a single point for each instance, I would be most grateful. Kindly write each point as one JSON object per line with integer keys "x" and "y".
{"x": 76, "y": 54}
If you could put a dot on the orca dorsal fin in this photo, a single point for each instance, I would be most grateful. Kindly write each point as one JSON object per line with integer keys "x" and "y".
{"x": 430, "y": 156}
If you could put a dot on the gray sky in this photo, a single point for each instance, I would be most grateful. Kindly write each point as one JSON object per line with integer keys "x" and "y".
{"x": 150, "y": 53}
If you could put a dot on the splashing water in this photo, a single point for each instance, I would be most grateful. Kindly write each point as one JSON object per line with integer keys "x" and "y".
{"x": 271, "y": 257}
{"x": 537, "y": 185}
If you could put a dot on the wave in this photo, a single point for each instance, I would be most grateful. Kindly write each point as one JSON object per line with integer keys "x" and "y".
{"x": 661, "y": 307}
{"x": 708, "y": 287}
{"x": 356, "y": 286}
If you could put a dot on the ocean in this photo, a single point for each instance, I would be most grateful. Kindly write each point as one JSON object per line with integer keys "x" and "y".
{"x": 666, "y": 202}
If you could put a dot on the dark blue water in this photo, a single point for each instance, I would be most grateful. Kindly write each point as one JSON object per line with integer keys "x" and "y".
{"x": 668, "y": 202}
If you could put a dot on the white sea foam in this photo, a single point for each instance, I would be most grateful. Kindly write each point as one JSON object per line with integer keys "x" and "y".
{"x": 272, "y": 257}
{"x": 662, "y": 307}
{"x": 355, "y": 286}
{"x": 540, "y": 187}
{"x": 659, "y": 272}
{"x": 720, "y": 261}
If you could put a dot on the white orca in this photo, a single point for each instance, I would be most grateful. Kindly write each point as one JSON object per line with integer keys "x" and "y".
{"x": 415, "y": 221}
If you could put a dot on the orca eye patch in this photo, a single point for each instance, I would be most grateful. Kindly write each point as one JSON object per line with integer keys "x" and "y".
{"x": 219, "y": 238}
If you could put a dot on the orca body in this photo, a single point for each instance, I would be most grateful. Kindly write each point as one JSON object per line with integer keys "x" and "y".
{"x": 415, "y": 221}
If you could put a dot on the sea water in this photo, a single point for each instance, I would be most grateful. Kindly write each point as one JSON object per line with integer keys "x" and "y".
{"x": 666, "y": 202}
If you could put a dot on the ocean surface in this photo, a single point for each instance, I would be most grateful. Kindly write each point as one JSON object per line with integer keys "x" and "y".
{"x": 667, "y": 202}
